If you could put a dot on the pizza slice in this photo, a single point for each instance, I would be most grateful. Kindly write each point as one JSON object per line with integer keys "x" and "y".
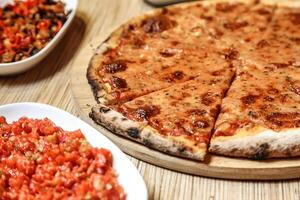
{"x": 237, "y": 28}
{"x": 177, "y": 120}
{"x": 287, "y": 20}
{"x": 282, "y": 37}
{"x": 260, "y": 116}
{"x": 236, "y": 23}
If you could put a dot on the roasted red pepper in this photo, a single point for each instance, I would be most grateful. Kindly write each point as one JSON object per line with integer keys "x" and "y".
{"x": 27, "y": 26}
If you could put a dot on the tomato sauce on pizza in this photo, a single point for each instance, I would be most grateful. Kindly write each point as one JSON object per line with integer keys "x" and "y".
{"x": 211, "y": 74}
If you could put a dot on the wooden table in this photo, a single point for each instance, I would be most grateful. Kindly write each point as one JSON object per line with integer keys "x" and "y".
{"x": 49, "y": 83}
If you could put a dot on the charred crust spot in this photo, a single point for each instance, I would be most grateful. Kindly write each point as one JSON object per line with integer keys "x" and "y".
{"x": 157, "y": 24}
{"x": 225, "y": 7}
{"x": 117, "y": 82}
{"x": 116, "y": 66}
{"x": 91, "y": 115}
{"x": 235, "y": 25}
{"x": 148, "y": 143}
{"x": 249, "y": 99}
{"x": 94, "y": 85}
{"x": 181, "y": 150}
{"x": 262, "y": 43}
{"x": 230, "y": 54}
{"x": 262, "y": 152}
{"x": 133, "y": 132}
{"x": 104, "y": 109}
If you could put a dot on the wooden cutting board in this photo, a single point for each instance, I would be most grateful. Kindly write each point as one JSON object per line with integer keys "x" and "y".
{"x": 214, "y": 166}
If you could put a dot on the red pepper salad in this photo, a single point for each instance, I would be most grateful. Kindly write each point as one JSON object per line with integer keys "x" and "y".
{"x": 27, "y": 26}
{"x": 39, "y": 160}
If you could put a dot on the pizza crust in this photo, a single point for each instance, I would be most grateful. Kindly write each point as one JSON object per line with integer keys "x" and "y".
{"x": 115, "y": 121}
{"x": 177, "y": 146}
{"x": 261, "y": 145}
{"x": 100, "y": 90}
{"x": 142, "y": 133}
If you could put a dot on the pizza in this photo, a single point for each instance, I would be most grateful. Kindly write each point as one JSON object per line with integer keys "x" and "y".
{"x": 210, "y": 76}
{"x": 260, "y": 115}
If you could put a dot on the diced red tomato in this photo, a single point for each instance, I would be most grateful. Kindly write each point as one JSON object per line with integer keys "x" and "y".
{"x": 44, "y": 24}
{"x": 41, "y": 161}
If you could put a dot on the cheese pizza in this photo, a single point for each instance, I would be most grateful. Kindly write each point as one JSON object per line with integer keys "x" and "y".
{"x": 217, "y": 76}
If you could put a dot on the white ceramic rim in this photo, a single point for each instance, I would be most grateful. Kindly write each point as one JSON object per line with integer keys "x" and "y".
{"x": 128, "y": 175}
{"x": 52, "y": 41}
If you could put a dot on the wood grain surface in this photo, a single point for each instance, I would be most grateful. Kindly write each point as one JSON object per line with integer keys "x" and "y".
{"x": 49, "y": 83}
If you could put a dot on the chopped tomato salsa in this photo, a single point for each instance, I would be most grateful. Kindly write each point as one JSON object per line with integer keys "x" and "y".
{"x": 27, "y": 26}
{"x": 42, "y": 161}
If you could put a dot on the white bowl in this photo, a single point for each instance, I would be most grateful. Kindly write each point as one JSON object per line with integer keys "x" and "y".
{"x": 23, "y": 65}
{"x": 128, "y": 176}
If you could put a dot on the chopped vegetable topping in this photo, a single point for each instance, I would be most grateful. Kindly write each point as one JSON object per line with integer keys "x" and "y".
{"x": 41, "y": 161}
{"x": 26, "y": 27}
